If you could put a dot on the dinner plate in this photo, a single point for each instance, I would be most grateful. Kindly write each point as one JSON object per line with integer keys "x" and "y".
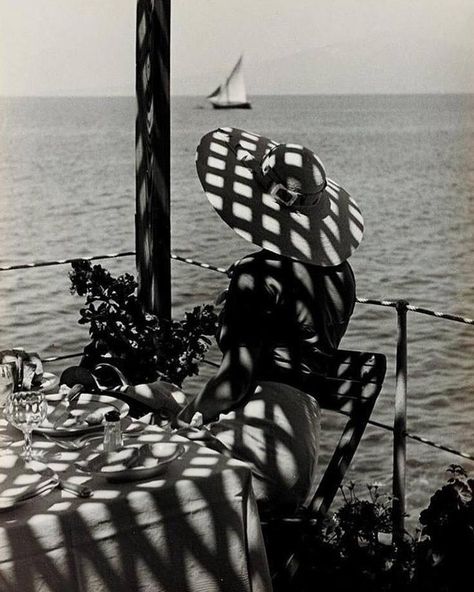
{"x": 133, "y": 462}
{"x": 85, "y": 415}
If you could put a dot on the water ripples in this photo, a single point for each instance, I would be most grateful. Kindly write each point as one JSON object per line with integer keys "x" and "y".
{"x": 67, "y": 189}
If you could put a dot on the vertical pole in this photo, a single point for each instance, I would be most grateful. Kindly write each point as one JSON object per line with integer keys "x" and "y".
{"x": 152, "y": 156}
{"x": 399, "y": 428}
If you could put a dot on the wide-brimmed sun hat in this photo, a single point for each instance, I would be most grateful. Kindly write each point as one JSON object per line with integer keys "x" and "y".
{"x": 278, "y": 197}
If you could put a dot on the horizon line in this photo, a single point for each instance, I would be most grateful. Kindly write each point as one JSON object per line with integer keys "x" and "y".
{"x": 302, "y": 94}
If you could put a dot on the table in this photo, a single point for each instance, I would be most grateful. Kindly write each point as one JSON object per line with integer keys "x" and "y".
{"x": 193, "y": 529}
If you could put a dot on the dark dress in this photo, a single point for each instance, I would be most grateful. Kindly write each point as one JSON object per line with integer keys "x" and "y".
{"x": 296, "y": 312}
{"x": 289, "y": 317}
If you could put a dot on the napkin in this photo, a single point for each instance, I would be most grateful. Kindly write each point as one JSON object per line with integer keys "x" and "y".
{"x": 21, "y": 481}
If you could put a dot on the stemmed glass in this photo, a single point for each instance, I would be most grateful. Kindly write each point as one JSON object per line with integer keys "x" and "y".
{"x": 25, "y": 410}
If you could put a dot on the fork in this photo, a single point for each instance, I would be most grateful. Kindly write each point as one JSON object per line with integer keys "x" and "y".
{"x": 73, "y": 444}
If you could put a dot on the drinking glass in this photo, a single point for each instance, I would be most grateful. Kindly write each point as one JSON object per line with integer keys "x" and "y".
{"x": 25, "y": 410}
{"x": 7, "y": 382}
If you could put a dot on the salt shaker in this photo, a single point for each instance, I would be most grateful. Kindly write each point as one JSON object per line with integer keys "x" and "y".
{"x": 112, "y": 431}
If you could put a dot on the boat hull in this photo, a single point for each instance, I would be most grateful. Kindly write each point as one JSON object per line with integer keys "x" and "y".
{"x": 234, "y": 106}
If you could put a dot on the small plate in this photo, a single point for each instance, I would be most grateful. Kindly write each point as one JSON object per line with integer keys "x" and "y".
{"x": 151, "y": 460}
{"x": 86, "y": 406}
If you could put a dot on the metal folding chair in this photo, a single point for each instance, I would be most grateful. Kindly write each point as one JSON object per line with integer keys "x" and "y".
{"x": 351, "y": 387}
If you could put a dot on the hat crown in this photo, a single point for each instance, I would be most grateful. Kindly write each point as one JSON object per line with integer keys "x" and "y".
{"x": 293, "y": 174}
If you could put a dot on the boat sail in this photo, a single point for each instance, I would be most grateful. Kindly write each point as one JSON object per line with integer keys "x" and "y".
{"x": 231, "y": 93}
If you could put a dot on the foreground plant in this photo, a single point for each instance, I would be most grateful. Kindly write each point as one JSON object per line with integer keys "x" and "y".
{"x": 143, "y": 346}
{"x": 446, "y": 551}
{"x": 352, "y": 548}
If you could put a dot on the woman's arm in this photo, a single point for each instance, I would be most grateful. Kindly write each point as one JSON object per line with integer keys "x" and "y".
{"x": 229, "y": 388}
{"x": 248, "y": 303}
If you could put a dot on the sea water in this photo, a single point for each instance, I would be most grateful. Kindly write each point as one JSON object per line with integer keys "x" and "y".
{"x": 67, "y": 189}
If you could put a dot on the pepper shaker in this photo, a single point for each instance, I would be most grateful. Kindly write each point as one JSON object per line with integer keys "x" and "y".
{"x": 112, "y": 431}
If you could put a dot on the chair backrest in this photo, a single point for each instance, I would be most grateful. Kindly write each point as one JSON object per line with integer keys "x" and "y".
{"x": 352, "y": 385}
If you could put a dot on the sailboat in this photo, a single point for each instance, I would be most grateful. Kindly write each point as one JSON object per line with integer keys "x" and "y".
{"x": 231, "y": 93}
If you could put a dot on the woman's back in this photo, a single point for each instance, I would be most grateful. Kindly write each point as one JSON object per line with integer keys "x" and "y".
{"x": 298, "y": 312}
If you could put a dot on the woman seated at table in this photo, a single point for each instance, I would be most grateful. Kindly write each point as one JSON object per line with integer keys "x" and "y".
{"x": 286, "y": 308}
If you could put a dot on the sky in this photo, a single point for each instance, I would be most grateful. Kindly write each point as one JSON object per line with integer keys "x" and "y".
{"x": 87, "y": 47}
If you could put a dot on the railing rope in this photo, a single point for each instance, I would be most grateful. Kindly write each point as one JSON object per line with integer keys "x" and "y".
{"x": 195, "y": 262}
{"x": 416, "y": 438}
{"x": 418, "y": 309}
{"x": 50, "y": 359}
{"x": 65, "y": 261}
{"x": 198, "y": 263}
{"x": 441, "y": 315}
{"x": 108, "y": 256}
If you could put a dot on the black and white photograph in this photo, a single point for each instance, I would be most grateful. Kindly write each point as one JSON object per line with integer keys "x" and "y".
{"x": 236, "y": 295}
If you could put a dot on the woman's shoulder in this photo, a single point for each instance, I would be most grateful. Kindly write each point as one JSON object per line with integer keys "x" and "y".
{"x": 257, "y": 260}
{"x": 256, "y": 273}
{"x": 273, "y": 265}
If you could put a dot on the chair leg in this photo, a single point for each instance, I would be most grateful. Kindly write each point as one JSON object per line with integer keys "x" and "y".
{"x": 283, "y": 543}
{"x": 340, "y": 461}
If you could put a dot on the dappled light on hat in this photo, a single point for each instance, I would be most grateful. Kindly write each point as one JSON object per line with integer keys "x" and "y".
{"x": 278, "y": 197}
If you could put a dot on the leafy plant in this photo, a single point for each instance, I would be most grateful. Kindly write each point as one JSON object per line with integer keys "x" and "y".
{"x": 359, "y": 522}
{"x": 446, "y": 552}
{"x": 352, "y": 548}
{"x": 142, "y": 345}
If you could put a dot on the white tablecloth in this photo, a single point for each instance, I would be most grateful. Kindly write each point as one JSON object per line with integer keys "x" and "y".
{"x": 193, "y": 529}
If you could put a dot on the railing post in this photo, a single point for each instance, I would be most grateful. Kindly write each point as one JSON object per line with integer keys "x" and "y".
{"x": 152, "y": 156}
{"x": 399, "y": 427}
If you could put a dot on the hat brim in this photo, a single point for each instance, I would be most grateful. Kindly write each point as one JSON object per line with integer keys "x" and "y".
{"x": 325, "y": 234}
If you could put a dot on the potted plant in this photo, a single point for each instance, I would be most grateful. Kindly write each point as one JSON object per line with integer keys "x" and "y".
{"x": 144, "y": 347}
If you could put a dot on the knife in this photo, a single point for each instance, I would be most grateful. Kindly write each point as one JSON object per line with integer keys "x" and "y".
{"x": 79, "y": 490}
{"x": 63, "y": 408}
